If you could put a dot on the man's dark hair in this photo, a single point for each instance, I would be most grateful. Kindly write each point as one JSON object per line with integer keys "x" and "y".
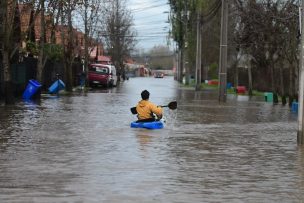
{"x": 145, "y": 95}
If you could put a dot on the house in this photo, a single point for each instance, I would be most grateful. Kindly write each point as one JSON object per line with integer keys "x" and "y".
{"x": 60, "y": 32}
{"x": 104, "y": 59}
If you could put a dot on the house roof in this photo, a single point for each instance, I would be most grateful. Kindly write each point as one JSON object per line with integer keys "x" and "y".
{"x": 104, "y": 58}
{"x": 130, "y": 61}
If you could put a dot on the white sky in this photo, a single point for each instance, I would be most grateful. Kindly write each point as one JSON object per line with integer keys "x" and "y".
{"x": 150, "y": 22}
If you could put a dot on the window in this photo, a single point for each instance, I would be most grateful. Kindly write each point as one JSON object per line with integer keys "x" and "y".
{"x": 102, "y": 70}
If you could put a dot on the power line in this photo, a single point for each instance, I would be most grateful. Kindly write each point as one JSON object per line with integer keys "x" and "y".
{"x": 149, "y": 7}
{"x": 154, "y": 34}
{"x": 147, "y": 3}
{"x": 153, "y": 29}
{"x": 161, "y": 12}
{"x": 212, "y": 11}
{"x": 150, "y": 35}
{"x": 150, "y": 23}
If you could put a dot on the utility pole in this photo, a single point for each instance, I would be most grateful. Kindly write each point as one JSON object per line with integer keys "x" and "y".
{"x": 177, "y": 63}
{"x": 180, "y": 64}
{"x": 300, "y": 137}
{"x": 198, "y": 72}
{"x": 223, "y": 53}
{"x": 86, "y": 42}
{"x": 1, "y": 25}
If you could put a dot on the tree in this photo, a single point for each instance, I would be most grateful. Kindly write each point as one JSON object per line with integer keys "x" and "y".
{"x": 41, "y": 56}
{"x": 42, "y": 11}
{"x": 66, "y": 13}
{"x": 180, "y": 29}
{"x": 267, "y": 30}
{"x": 10, "y": 44}
{"x": 119, "y": 36}
{"x": 161, "y": 57}
{"x": 291, "y": 47}
{"x": 184, "y": 17}
{"x": 91, "y": 13}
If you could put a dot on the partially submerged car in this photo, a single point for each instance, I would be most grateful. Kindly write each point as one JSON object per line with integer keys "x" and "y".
{"x": 101, "y": 74}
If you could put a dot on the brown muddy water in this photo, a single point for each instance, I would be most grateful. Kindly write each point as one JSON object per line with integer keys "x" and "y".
{"x": 80, "y": 148}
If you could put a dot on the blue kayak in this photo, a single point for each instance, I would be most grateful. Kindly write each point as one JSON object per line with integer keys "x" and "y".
{"x": 148, "y": 125}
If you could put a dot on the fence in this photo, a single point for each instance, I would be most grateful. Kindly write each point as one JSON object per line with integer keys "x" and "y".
{"x": 26, "y": 70}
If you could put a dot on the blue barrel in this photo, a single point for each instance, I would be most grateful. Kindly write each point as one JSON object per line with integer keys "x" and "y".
{"x": 229, "y": 85}
{"x": 31, "y": 89}
{"x": 56, "y": 87}
{"x": 294, "y": 107}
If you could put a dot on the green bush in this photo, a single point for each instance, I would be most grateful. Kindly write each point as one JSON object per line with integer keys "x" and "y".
{"x": 53, "y": 51}
{"x": 32, "y": 48}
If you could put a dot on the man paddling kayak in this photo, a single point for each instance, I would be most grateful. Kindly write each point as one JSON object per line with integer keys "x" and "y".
{"x": 146, "y": 109}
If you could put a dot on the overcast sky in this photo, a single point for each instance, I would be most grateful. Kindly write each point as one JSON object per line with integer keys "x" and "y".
{"x": 150, "y": 22}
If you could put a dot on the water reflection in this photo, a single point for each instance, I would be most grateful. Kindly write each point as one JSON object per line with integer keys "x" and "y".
{"x": 300, "y": 182}
{"x": 144, "y": 139}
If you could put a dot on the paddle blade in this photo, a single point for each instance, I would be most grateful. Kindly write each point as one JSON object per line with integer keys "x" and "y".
{"x": 172, "y": 105}
{"x": 133, "y": 110}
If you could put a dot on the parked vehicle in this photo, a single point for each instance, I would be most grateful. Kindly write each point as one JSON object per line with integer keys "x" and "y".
{"x": 158, "y": 74}
{"x": 101, "y": 74}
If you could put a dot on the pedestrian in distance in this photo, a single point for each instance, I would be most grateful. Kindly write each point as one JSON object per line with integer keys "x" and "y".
{"x": 82, "y": 79}
{"x": 146, "y": 110}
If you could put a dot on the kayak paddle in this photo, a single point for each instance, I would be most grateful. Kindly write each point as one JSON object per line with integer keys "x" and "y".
{"x": 172, "y": 105}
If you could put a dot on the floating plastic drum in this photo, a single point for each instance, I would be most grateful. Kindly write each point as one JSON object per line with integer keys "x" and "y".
{"x": 294, "y": 107}
{"x": 56, "y": 87}
{"x": 229, "y": 85}
{"x": 31, "y": 89}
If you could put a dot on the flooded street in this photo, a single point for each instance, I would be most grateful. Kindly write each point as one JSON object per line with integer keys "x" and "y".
{"x": 81, "y": 148}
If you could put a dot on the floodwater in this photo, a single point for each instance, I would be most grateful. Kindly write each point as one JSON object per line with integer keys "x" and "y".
{"x": 80, "y": 148}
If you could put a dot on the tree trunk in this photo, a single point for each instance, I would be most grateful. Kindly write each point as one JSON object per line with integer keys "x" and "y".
{"x": 236, "y": 75}
{"x": 275, "y": 96}
{"x": 291, "y": 92}
{"x": 249, "y": 79}
{"x": 65, "y": 58}
{"x": 180, "y": 66}
{"x": 54, "y": 25}
{"x": 8, "y": 84}
{"x": 40, "y": 65}
{"x": 69, "y": 82}
{"x": 282, "y": 85}
{"x": 86, "y": 47}
{"x": 187, "y": 72}
{"x": 7, "y": 33}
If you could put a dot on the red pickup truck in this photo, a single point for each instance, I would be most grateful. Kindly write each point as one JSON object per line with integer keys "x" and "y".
{"x": 101, "y": 74}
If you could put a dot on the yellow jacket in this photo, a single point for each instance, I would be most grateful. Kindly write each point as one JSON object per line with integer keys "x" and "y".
{"x": 145, "y": 110}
